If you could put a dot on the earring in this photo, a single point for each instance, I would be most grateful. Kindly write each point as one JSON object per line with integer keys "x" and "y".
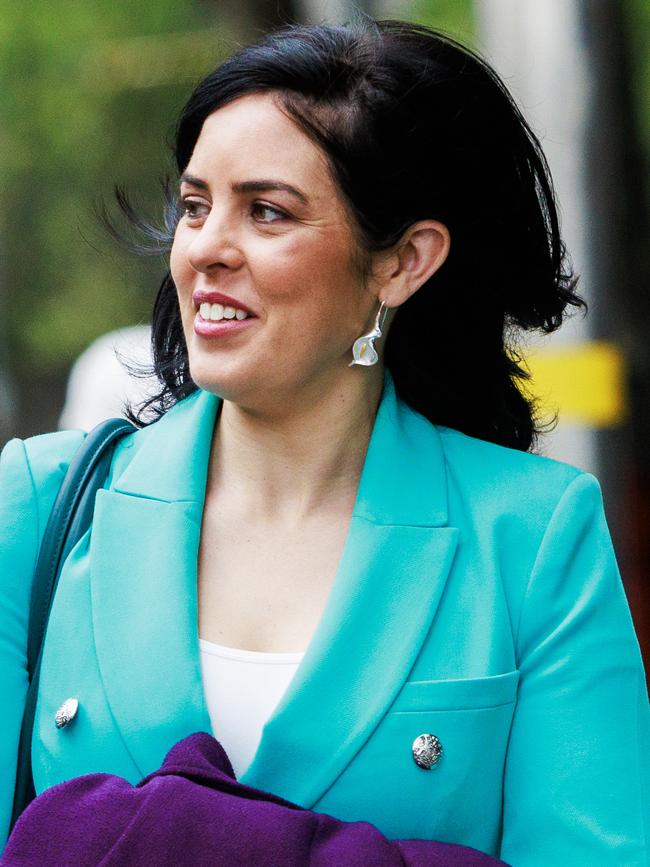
{"x": 363, "y": 348}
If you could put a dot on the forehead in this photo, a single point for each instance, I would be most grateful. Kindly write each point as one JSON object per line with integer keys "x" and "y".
{"x": 252, "y": 136}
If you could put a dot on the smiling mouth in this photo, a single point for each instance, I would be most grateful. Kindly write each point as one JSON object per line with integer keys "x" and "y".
{"x": 221, "y": 323}
{"x": 217, "y": 312}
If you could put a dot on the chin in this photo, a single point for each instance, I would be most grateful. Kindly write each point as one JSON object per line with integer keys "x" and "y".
{"x": 236, "y": 383}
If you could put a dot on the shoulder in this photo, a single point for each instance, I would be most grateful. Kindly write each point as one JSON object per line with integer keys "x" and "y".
{"x": 41, "y": 456}
{"x": 31, "y": 472}
{"x": 482, "y": 459}
{"x": 502, "y": 477}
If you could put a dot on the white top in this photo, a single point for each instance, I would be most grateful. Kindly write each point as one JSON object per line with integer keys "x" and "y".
{"x": 242, "y": 689}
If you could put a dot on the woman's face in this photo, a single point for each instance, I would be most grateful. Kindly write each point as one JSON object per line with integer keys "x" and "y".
{"x": 266, "y": 232}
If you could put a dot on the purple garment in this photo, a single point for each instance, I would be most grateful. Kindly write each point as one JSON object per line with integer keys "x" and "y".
{"x": 193, "y": 812}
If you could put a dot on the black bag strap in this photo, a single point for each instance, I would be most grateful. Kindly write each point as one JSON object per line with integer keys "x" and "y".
{"x": 69, "y": 519}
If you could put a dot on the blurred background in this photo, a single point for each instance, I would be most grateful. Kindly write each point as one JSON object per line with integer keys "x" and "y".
{"x": 89, "y": 96}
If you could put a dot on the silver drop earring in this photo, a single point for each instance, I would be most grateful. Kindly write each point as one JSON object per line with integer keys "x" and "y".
{"x": 363, "y": 348}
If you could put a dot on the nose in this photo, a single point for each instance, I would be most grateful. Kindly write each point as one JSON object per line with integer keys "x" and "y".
{"x": 215, "y": 245}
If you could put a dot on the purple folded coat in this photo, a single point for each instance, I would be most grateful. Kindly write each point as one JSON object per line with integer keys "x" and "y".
{"x": 193, "y": 812}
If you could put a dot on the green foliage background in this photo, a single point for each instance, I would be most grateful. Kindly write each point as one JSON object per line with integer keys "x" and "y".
{"x": 88, "y": 99}
{"x": 89, "y": 96}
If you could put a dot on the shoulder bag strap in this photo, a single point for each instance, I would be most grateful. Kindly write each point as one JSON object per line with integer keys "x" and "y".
{"x": 69, "y": 519}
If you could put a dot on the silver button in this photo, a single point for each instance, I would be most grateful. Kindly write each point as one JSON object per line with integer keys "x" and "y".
{"x": 427, "y": 751}
{"x": 66, "y": 713}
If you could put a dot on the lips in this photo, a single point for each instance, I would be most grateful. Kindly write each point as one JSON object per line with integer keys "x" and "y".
{"x": 207, "y": 329}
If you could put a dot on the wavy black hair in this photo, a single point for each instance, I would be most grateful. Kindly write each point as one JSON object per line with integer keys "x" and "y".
{"x": 414, "y": 126}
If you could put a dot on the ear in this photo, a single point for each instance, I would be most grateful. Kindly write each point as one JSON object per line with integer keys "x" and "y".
{"x": 417, "y": 256}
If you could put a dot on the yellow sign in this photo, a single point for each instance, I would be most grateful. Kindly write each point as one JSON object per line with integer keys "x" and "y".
{"x": 584, "y": 382}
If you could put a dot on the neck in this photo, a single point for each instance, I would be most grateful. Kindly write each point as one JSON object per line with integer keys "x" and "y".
{"x": 304, "y": 457}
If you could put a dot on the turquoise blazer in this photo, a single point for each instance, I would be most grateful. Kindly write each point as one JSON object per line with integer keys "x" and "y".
{"x": 477, "y": 599}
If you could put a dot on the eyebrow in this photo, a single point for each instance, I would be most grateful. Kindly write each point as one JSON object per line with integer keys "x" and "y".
{"x": 254, "y": 186}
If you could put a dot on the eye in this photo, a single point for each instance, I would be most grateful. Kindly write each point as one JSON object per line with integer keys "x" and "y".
{"x": 192, "y": 209}
{"x": 263, "y": 213}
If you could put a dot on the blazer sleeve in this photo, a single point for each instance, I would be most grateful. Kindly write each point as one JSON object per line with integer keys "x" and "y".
{"x": 578, "y": 763}
{"x": 31, "y": 472}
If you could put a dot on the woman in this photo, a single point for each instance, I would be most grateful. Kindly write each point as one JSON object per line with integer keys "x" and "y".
{"x": 382, "y": 526}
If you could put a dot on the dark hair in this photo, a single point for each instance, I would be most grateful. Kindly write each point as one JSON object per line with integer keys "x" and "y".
{"x": 414, "y": 126}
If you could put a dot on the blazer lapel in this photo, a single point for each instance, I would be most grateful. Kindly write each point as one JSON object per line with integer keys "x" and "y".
{"x": 143, "y": 548}
{"x": 392, "y": 571}
{"x": 390, "y": 578}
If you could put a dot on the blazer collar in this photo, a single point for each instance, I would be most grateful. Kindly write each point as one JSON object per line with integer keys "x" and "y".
{"x": 400, "y": 483}
{"x": 168, "y": 460}
{"x": 392, "y": 572}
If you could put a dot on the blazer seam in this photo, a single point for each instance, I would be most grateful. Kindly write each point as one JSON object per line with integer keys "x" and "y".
{"x": 640, "y": 699}
{"x": 34, "y": 505}
{"x": 136, "y": 496}
{"x": 533, "y": 569}
{"x": 454, "y": 708}
{"x": 376, "y": 523}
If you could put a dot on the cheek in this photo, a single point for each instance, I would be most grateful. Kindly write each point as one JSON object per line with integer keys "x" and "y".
{"x": 315, "y": 303}
{"x": 317, "y": 277}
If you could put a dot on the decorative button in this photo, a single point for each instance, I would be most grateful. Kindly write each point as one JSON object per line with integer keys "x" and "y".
{"x": 427, "y": 751}
{"x": 66, "y": 713}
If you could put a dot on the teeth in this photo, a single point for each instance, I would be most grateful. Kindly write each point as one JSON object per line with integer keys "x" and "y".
{"x": 217, "y": 312}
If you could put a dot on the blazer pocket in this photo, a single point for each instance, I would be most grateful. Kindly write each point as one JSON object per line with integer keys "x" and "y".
{"x": 460, "y": 797}
{"x": 457, "y": 694}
